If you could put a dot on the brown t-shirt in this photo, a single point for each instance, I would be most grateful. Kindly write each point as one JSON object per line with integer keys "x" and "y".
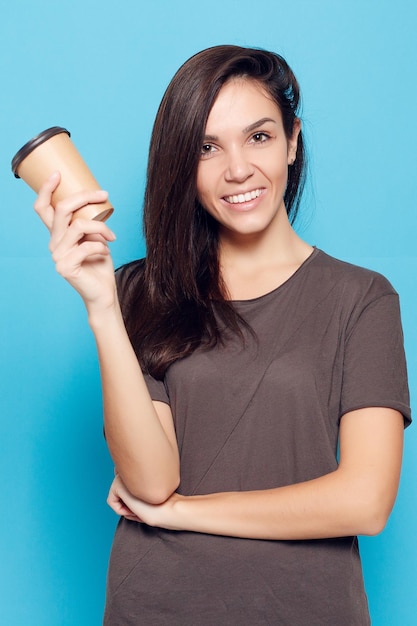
{"x": 262, "y": 415}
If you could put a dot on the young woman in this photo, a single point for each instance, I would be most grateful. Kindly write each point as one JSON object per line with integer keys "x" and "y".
{"x": 254, "y": 407}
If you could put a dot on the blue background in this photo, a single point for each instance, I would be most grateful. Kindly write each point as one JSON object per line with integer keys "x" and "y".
{"x": 100, "y": 70}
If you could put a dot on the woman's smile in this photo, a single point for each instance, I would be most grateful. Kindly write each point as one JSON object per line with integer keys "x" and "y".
{"x": 243, "y": 197}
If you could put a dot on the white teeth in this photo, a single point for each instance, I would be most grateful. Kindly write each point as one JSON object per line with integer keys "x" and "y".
{"x": 243, "y": 197}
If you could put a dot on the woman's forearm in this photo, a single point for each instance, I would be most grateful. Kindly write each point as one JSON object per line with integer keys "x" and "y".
{"x": 141, "y": 442}
{"x": 322, "y": 508}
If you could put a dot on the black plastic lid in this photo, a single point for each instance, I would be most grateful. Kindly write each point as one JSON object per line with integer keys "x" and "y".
{"x": 34, "y": 143}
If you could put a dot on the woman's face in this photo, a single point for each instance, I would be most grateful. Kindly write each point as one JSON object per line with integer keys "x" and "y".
{"x": 243, "y": 169}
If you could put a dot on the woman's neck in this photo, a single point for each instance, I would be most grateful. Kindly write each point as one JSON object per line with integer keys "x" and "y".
{"x": 254, "y": 265}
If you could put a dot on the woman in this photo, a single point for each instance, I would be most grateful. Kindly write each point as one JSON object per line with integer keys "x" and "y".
{"x": 266, "y": 429}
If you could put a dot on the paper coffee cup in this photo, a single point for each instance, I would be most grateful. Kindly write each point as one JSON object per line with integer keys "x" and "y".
{"x": 53, "y": 150}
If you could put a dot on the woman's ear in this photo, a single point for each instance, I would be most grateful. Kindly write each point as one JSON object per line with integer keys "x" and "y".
{"x": 293, "y": 142}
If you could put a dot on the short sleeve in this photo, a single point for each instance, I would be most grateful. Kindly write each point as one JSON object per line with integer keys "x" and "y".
{"x": 157, "y": 389}
{"x": 374, "y": 369}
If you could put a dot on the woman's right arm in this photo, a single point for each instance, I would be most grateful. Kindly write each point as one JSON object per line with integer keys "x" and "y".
{"x": 140, "y": 433}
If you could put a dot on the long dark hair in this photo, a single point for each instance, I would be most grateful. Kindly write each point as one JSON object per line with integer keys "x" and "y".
{"x": 175, "y": 300}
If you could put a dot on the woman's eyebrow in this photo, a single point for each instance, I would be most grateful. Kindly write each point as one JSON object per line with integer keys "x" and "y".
{"x": 260, "y": 122}
{"x": 246, "y": 130}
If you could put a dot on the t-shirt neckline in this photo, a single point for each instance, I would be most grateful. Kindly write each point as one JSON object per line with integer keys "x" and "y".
{"x": 293, "y": 276}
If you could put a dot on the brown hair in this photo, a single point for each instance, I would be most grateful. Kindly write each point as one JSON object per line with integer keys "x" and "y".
{"x": 168, "y": 300}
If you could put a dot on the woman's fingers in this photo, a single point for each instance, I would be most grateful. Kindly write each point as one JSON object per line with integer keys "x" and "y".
{"x": 59, "y": 218}
{"x": 83, "y": 240}
{"x": 89, "y": 251}
{"x": 64, "y": 211}
{"x": 43, "y": 206}
{"x": 116, "y": 502}
{"x": 83, "y": 229}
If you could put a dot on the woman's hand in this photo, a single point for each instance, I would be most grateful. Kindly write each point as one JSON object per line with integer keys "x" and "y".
{"x": 116, "y": 500}
{"x": 123, "y": 503}
{"x": 79, "y": 248}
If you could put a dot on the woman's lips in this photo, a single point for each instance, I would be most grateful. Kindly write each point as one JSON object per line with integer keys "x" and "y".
{"x": 241, "y": 198}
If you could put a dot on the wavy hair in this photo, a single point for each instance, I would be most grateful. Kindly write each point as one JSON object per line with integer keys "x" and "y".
{"x": 175, "y": 300}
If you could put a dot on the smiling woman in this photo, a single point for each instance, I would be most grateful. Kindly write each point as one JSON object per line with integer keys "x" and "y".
{"x": 239, "y": 361}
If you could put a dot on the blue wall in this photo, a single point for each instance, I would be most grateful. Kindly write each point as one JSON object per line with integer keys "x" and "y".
{"x": 100, "y": 70}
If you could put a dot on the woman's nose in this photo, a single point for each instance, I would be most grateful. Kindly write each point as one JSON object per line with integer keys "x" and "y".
{"x": 238, "y": 168}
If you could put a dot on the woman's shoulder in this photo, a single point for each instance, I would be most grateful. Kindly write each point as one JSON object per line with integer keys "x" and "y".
{"x": 350, "y": 277}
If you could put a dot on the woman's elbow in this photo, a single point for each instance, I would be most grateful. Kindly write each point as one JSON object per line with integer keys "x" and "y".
{"x": 161, "y": 495}
{"x": 373, "y": 526}
{"x": 374, "y": 515}
{"x": 156, "y": 491}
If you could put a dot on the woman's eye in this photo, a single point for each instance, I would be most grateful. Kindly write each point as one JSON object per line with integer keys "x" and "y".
{"x": 207, "y": 149}
{"x": 260, "y": 137}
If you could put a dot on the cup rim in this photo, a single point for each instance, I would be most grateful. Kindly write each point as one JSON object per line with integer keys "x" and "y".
{"x": 34, "y": 143}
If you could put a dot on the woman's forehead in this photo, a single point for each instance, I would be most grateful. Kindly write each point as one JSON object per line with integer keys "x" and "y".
{"x": 241, "y": 101}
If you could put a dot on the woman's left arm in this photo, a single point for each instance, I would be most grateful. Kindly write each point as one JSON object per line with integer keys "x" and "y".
{"x": 356, "y": 498}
